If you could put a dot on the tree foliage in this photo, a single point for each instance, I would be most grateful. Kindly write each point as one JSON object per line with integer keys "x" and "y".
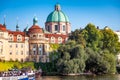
{"x": 89, "y": 49}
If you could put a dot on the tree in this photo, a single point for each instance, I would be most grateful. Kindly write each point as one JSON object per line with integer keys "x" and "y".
{"x": 110, "y": 41}
{"x": 78, "y": 37}
{"x": 93, "y": 36}
{"x": 72, "y": 59}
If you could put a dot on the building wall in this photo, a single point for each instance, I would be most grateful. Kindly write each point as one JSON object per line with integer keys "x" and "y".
{"x": 18, "y": 51}
{"x": 118, "y": 33}
{"x": 37, "y": 44}
{"x": 4, "y": 46}
{"x": 60, "y": 29}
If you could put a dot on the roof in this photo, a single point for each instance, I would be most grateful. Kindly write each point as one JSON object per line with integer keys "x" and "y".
{"x": 35, "y": 29}
{"x": 57, "y": 15}
{"x": 2, "y": 28}
{"x": 15, "y": 33}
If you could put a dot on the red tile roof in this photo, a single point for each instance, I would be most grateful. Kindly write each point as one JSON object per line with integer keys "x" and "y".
{"x": 2, "y": 28}
{"x": 15, "y": 33}
{"x": 35, "y": 29}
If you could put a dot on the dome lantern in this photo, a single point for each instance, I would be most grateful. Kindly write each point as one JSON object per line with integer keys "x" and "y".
{"x": 57, "y": 7}
{"x": 35, "y": 21}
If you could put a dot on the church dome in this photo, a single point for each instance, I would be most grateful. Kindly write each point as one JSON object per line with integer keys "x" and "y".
{"x": 57, "y": 15}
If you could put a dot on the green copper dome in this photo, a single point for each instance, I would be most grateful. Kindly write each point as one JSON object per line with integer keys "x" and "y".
{"x": 57, "y": 15}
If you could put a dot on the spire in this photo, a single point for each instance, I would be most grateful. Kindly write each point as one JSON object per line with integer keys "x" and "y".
{"x": 26, "y": 29}
{"x": 35, "y": 20}
{"x": 17, "y": 27}
{"x": 4, "y": 24}
{"x": 57, "y": 7}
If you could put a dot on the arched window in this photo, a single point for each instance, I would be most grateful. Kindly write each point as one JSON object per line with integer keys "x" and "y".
{"x": 40, "y": 49}
{"x": 34, "y": 36}
{"x": 59, "y": 40}
{"x": 10, "y": 37}
{"x": 64, "y": 28}
{"x": 48, "y": 29}
{"x": 56, "y": 27}
{"x": 19, "y": 37}
{"x": 52, "y": 39}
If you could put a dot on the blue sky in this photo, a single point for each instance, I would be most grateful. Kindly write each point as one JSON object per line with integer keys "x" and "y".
{"x": 80, "y": 12}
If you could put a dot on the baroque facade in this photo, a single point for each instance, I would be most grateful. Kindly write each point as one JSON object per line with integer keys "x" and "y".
{"x": 33, "y": 44}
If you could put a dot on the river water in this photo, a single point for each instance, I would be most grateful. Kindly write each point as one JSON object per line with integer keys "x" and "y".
{"x": 100, "y": 77}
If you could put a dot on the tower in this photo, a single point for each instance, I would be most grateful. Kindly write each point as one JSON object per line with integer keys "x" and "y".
{"x": 37, "y": 43}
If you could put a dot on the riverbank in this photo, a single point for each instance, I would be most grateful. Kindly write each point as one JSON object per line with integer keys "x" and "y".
{"x": 82, "y": 77}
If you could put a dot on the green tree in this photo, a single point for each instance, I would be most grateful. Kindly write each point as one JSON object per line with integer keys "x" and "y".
{"x": 93, "y": 36}
{"x": 110, "y": 41}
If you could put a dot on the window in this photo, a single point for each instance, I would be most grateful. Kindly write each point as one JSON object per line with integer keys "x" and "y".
{"x": 52, "y": 39}
{"x": 21, "y": 45}
{"x": 40, "y": 52}
{"x": 21, "y": 52}
{"x": 48, "y": 28}
{"x": 10, "y": 37}
{"x": 34, "y": 47}
{"x": 34, "y": 59}
{"x": 16, "y": 45}
{"x": 40, "y": 46}
{"x": 40, "y": 35}
{"x": 10, "y": 45}
{"x": 59, "y": 40}
{"x": 21, "y": 60}
{"x": 19, "y": 38}
{"x": 10, "y": 52}
{"x": 56, "y": 27}
{"x": 34, "y": 36}
{"x": 63, "y": 27}
{"x": 34, "y": 52}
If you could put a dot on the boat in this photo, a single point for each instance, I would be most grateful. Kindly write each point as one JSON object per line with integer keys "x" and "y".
{"x": 28, "y": 76}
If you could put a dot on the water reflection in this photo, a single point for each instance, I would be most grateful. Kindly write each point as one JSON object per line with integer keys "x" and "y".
{"x": 102, "y": 77}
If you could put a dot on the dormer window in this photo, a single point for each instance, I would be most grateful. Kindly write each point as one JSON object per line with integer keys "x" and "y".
{"x": 52, "y": 39}
{"x": 10, "y": 37}
{"x": 59, "y": 40}
{"x": 19, "y": 38}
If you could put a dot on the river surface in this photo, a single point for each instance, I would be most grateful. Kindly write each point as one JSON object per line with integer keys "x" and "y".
{"x": 100, "y": 77}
